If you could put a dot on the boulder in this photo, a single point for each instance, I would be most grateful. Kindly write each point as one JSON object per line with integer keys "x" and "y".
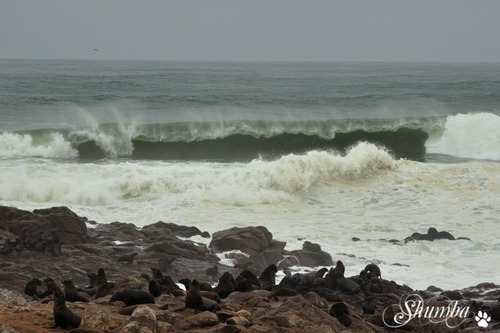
{"x": 182, "y": 248}
{"x": 432, "y": 235}
{"x": 69, "y": 227}
{"x": 256, "y": 242}
{"x": 162, "y": 228}
{"x": 311, "y": 255}
{"x": 250, "y": 240}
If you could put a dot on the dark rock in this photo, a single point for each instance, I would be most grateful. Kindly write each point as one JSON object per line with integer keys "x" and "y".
{"x": 355, "y": 239}
{"x": 289, "y": 261}
{"x": 182, "y": 248}
{"x": 250, "y": 240}
{"x": 432, "y": 235}
{"x": 162, "y": 228}
{"x": 268, "y": 256}
{"x": 454, "y": 295}
{"x": 35, "y": 228}
{"x": 434, "y": 289}
{"x": 124, "y": 232}
{"x": 311, "y": 255}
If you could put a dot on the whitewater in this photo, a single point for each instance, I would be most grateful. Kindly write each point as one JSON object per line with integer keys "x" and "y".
{"x": 298, "y": 183}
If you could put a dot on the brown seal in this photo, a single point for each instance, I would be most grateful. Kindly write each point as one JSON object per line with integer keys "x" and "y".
{"x": 167, "y": 284}
{"x": 33, "y": 288}
{"x": 71, "y": 293}
{"x": 268, "y": 277}
{"x": 101, "y": 277}
{"x": 63, "y": 316}
{"x": 133, "y": 297}
{"x": 225, "y": 285}
{"x": 128, "y": 257}
{"x": 372, "y": 270}
{"x": 194, "y": 300}
{"x": 341, "y": 312}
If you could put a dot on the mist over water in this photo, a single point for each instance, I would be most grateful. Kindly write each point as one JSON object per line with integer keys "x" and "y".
{"x": 277, "y": 129}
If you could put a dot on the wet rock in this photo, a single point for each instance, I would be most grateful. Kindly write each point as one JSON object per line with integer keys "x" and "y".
{"x": 434, "y": 289}
{"x": 256, "y": 242}
{"x": 34, "y": 228}
{"x": 117, "y": 231}
{"x": 454, "y": 295}
{"x": 431, "y": 235}
{"x": 311, "y": 255}
{"x": 269, "y": 256}
{"x": 250, "y": 240}
{"x": 161, "y": 228}
{"x": 182, "y": 248}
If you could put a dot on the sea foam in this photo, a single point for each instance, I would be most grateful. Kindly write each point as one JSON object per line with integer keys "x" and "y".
{"x": 22, "y": 145}
{"x": 475, "y": 135}
{"x": 239, "y": 184}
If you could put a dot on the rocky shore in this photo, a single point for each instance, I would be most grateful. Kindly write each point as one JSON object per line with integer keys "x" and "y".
{"x": 58, "y": 244}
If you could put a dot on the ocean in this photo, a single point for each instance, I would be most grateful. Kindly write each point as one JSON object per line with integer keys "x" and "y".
{"x": 313, "y": 151}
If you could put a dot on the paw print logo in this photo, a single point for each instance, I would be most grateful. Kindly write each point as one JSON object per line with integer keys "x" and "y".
{"x": 482, "y": 319}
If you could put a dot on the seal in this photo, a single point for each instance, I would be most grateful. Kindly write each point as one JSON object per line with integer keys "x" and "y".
{"x": 63, "y": 316}
{"x": 334, "y": 274}
{"x": 212, "y": 272}
{"x": 133, "y": 297}
{"x": 225, "y": 285}
{"x": 372, "y": 270}
{"x": 91, "y": 288}
{"x": 92, "y": 280}
{"x": 194, "y": 300}
{"x": 33, "y": 288}
{"x": 104, "y": 289}
{"x": 71, "y": 293}
{"x": 348, "y": 286}
{"x": 101, "y": 277}
{"x": 242, "y": 318}
{"x": 368, "y": 307}
{"x": 128, "y": 257}
{"x": 341, "y": 312}
{"x": 154, "y": 288}
{"x": 204, "y": 286}
{"x": 165, "y": 281}
{"x": 6, "y": 248}
{"x": 268, "y": 277}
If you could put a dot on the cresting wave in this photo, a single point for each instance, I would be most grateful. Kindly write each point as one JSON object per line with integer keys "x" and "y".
{"x": 463, "y": 135}
{"x": 256, "y": 182}
{"x": 226, "y": 141}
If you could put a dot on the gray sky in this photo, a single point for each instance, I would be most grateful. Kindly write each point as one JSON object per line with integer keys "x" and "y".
{"x": 289, "y": 30}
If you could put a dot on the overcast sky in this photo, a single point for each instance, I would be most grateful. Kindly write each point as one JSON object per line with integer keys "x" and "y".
{"x": 255, "y": 30}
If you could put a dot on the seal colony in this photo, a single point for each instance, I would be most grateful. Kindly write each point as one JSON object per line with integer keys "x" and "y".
{"x": 346, "y": 299}
{"x": 105, "y": 292}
